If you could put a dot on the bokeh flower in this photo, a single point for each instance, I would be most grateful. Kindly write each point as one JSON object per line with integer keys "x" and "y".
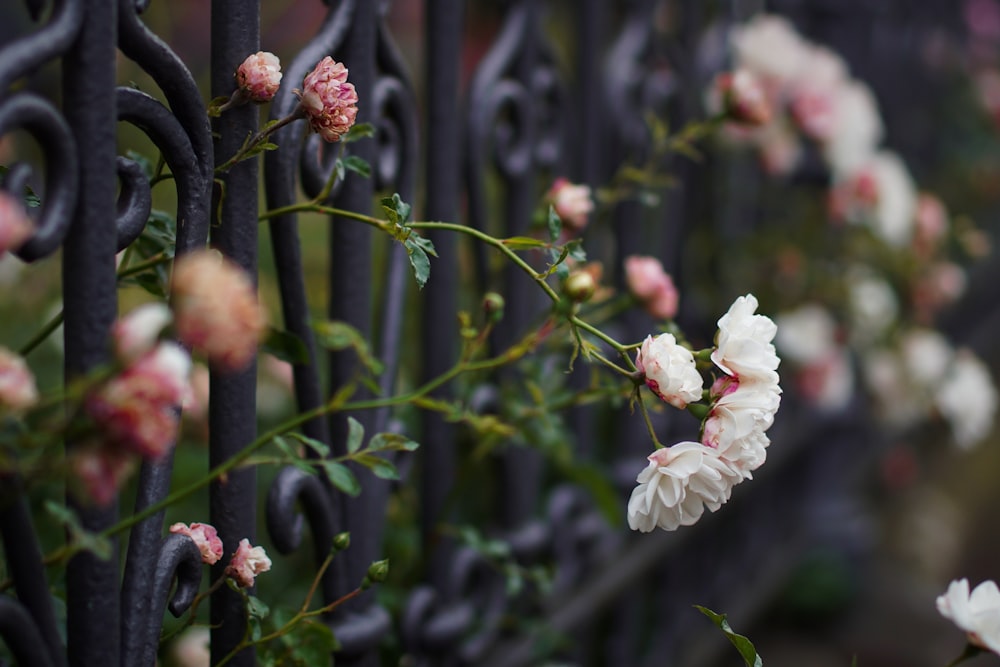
{"x": 652, "y": 286}
{"x": 15, "y": 225}
{"x": 135, "y": 334}
{"x": 216, "y": 309}
{"x": 978, "y": 613}
{"x": 18, "y": 390}
{"x": 572, "y": 203}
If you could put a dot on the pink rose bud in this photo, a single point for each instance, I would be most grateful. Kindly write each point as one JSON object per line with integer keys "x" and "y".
{"x": 743, "y": 98}
{"x": 216, "y": 309}
{"x": 15, "y": 225}
{"x": 17, "y": 384}
{"x": 137, "y": 409}
{"x": 101, "y": 470}
{"x": 247, "y": 563}
{"x": 328, "y": 100}
{"x": 205, "y": 537}
{"x": 572, "y": 203}
{"x": 670, "y": 370}
{"x": 259, "y": 76}
{"x": 652, "y": 286}
{"x": 135, "y": 334}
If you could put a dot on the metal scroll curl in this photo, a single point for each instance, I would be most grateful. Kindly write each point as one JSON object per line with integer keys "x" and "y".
{"x": 24, "y": 55}
{"x": 46, "y": 125}
{"x": 19, "y": 632}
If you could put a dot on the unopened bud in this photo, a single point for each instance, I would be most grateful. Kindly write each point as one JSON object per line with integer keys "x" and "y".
{"x": 341, "y": 541}
{"x": 377, "y": 573}
{"x": 580, "y": 286}
{"x": 493, "y": 305}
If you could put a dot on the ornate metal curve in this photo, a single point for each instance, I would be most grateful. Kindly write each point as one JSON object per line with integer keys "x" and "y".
{"x": 21, "y": 635}
{"x": 135, "y": 201}
{"x": 22, "y": 56}
{"x": 46, "y": 125}
{"x": 163, "y": 128}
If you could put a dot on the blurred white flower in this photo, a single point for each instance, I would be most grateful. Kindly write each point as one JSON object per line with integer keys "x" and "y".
{"x": 770, "y": 47}
{"x": 873, "y": 305}
{"x": 967, "y": 398}
{"x": 977, "y": 614}
{"x": 927, "y": 355}
{"x": 192, "y": 649}
{"x": 805, "y": 334}
{"x": 857, "y": 128}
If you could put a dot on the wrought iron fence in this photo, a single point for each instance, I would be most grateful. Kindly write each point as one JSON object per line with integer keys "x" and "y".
{"x": 477, "y": 153}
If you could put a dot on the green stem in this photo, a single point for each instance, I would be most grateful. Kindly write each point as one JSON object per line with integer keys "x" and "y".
{"x": 42, "y": 334}
{"x": 970, "y": 651}
{"x": 148, "y": 263}
{"x": 193, "y": 609}
{"x": 645, "y": 416}
{"x": 259, "y": 137}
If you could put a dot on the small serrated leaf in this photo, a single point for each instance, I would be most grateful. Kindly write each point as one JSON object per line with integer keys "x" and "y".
{"x": 257, "y": 608}
{"x": 341, "y": 477}
{"x": 554, "y": 224}
{"x": 355, "y": 435}
{"x": 380, "y": 467}
{"x": 419, "y": 261}
{"x": 358, "y": 165}
{"x": 358, "y": 131}
{"x": 391, "y": 442}
{"x": 321, "y": 449}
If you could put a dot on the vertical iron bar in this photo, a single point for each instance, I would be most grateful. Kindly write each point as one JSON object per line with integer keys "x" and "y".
{"x": 90, "y": 306}
{"x": 351, "y": 302}
{"x": 443, "y": 22}
{"x": 232, "y": 408}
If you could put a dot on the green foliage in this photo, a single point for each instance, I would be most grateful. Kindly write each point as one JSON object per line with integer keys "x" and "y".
{"x": 418, "y": 248}
{"x": 79, "y": 538}
{"x": 742, "y": 644}
{"x": 335, "y": 335}
{"x": 285, "y": 346}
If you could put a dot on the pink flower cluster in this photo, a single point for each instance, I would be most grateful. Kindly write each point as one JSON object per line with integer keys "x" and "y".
{"x": 216, "y": 309}
{"x": 244, "y": 566}
{"x": 682, "y": 480}
{"x": 259, "y": 76}
{"x": 652, "y": 286}
{"x": 329, "y": 100}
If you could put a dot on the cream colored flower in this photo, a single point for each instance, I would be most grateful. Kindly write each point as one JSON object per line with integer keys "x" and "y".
{"x": 670, "y": 370}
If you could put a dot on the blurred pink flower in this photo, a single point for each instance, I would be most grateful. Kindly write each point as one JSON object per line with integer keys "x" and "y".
{"x": 101, "y": 470}
{"x": 572, "y": 203}
{"x": 216, "y": 309}
{"x": 192, "y": 649}
{"x": 931, "y": 224}
{"x": 744, "y": 99}
{"x": 18, "y": 391}
{"x": 247, "y": 563}
{"x": 137, "y": 409}
{"x": 205, "y": 537}
{"x": 15, "y": 225}
{"x": 135, "y": 334}
{"x": 652, "y": 286}
{"x": 329, "y": 100}
{"x": 259, "y": 76}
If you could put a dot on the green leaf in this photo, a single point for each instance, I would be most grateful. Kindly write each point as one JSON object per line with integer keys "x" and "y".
{"x": 355, "y": 435}
{"x": 554, "y": 224}
{"x": 396, "y": 210}
{"x": 341, "y": 477}
{"x": 380, "y": 467}
{"x": 358, "y": 165}
{"x": 312, "y": 643}
{"x": 742, "y": 644}
{"x": 523, "y": 243}
{"x": 294, "y": 456}
{"x": 285, "y": 346}
{"x": 257, "y": 608}
{"x": 335, "y": 335}
{"x": 391, "y": 442}
{"x": 78, "y": 535}
{"x": 358, "y": 131}
{"x": 321, "y": 449}
{"x": 419, "y": 261}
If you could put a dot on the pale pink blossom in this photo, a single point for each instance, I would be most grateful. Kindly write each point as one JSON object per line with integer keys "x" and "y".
{"x": 880, "y": 194}
{"x": 652, "y": 286}
{"x": 743, "y": 344}
{"x": 135, "y": 334}
{"x": 827, "y": 382}
{"x": 677, "y": 486}
{"x": 940, "y": 285}
{"x": 813, "y": 92}
{"x": 930, "y": 224}
{"x": 18, "y": 390}
{"x": 216, "y": 309}
{"x": 770, "y": 47}
{"x": 101, "y": 470}
{"x": 779, "y": 148}
{"x": 329, "y": 100}
{"x": 741, "y": 412}
{"x": 15, "y": 225}
{"x": 572, "y": 203}
{"x": 743, "y": 98}
{"x": 138, "y": 409}
{"x": 205, "y": 537}
{"x": 247, "y": 563}
{"x": 670, "y": 370}
{"x": 857, "y": 128}
{"x": 977, "y": 614}
{"x": 259, "y": 76}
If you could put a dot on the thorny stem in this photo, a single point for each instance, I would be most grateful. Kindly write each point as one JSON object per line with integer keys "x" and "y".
{"x": 263, "y": 134}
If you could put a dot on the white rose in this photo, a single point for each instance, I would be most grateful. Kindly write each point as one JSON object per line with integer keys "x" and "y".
{"x": 743, "y": 345}
{"x": 670, "y": 370}
{"x": 977, "y": 614}
{"x": 967, "y": 398}
{"x": 677, "y": 485}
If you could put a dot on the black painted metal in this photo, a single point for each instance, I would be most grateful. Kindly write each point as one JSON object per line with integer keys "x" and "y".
{"x": 510, "y": 140}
